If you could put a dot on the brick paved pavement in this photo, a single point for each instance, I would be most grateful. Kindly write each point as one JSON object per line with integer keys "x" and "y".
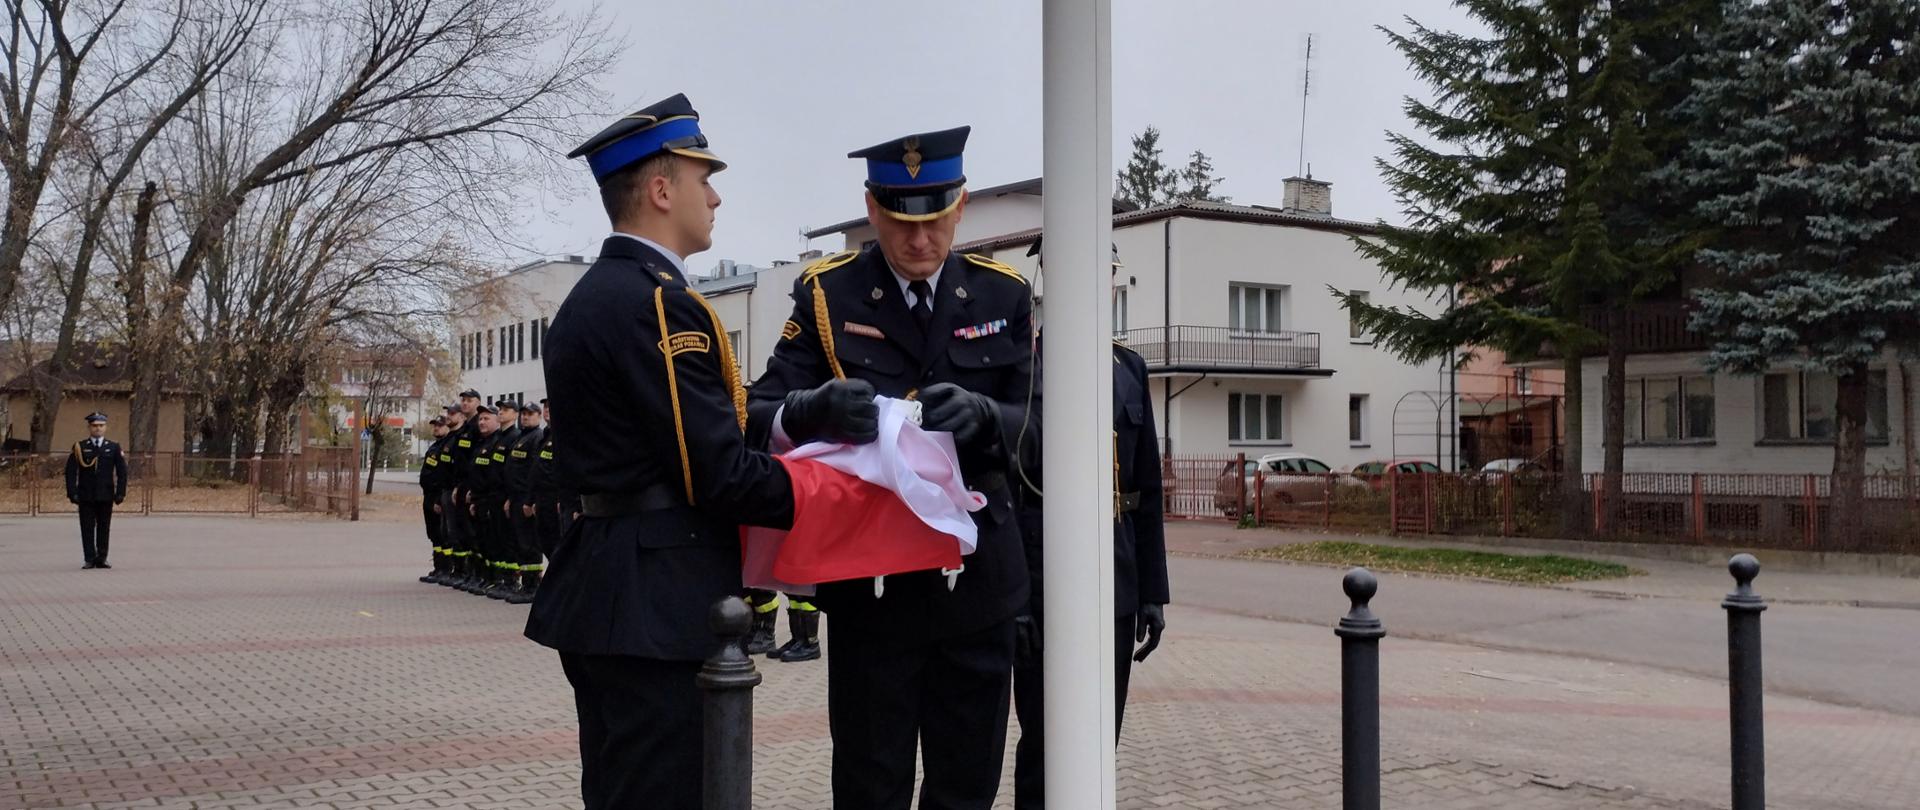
{"x": 228, "y": 663}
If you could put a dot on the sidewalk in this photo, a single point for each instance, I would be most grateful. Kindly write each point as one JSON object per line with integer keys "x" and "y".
{"x": 1668, "y": 579}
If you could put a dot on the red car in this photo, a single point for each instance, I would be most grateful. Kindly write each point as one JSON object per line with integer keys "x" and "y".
{"x": 1374, "y": 473}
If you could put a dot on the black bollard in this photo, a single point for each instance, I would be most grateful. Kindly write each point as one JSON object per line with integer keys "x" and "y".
{"x": 728, "y": 678}
{"x": 1743, "y": 685}
{"x": 1360, "y": 633}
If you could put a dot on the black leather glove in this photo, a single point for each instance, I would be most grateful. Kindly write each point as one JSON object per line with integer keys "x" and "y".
{"x": 1026, "y": 641}
{"x": 1150, "y": 622}
{"x": 837, "y": 411}
{"x": 971, "y": 418}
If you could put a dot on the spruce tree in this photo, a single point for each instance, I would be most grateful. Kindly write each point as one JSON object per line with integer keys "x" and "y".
{"x": 1146, "y": 181}
{"x": 1521, "y": 196}
{"x": 1198, "y": 182}
{"x": 1804, "y": 159}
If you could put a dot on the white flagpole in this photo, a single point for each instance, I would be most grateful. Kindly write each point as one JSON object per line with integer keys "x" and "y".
{"x": 1078, "y": 638}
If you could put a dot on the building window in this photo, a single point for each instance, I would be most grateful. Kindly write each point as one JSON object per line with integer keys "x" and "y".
{"x": 1801, "y": 406}
{"x": 1669, "y": 409}
{"x": 1255, "y": 418}
{"x": 1523, "y": 380}
{"x": 463, "y": 352}
{"x": 733, "y": 341}
{"x": 1357, "y": 419}
{"x": 1252, "y": 308}
{"x": 1354, "y": 332}
{"x": 539, "y": 334}
{"x": 1120, "y": 310}
{"x": 489, "y": 348}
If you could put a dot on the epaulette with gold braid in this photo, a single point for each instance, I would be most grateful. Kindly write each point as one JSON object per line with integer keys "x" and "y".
{"x": 828, "y": 263}
{"x": 994, "y": 266}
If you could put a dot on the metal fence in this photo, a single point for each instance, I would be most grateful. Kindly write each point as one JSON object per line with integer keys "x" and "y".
{"x": 1719, "y": 509}
{"x": 320, "y": 479}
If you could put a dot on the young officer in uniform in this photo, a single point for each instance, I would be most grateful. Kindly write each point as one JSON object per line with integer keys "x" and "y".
{"x": 457, "y": 457}
{"x": 521, "y": 512}
{"x": 1140, "y": 562}
{"x": 430, "y": 487}
{"x": 96, "y": 480}
{"x": 924, "y": 661}
{"x": 543, "y": 491}
{"x": 476, "y": 489}
{"x": 499, "y": 568}
{"x": 653, "y": 443}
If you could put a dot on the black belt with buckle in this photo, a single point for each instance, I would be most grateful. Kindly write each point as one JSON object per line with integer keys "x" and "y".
{"x": 1129, "y": 501}
{"x": 615, "y": 504}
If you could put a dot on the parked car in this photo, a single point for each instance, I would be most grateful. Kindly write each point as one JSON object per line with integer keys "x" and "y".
{"x": 1288, "y": 478}
{"x": 1521, "y": 467}
{"x": 1374, "y": 473}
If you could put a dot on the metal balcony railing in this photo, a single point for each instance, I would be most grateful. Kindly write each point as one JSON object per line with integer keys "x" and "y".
{"x": 1218, "y": 347}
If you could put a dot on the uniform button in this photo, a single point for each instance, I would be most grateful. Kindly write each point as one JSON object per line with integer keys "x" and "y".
{"x": 927, "y": 376}
{"x": 985, "y": 359}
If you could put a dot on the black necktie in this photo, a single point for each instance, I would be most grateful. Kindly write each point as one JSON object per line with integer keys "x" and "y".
{"x": 923, "y": 303}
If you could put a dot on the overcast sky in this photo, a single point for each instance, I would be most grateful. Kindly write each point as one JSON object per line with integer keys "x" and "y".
{"x": 786, "y": 89}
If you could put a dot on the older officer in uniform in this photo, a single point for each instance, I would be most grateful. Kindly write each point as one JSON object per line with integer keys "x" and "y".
{"x": 1139, "y": 571}
{"x": 641, "y": 366}
{"x": 926, "y": 659}
{"x": 96, "y": 480}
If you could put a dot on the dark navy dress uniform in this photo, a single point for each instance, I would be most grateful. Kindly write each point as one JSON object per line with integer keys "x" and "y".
{"x": 1139, "y": 552}
{"x": 641, "y": 368}
{"x": 921, "y": 663}
{"x": 96, "y": 480}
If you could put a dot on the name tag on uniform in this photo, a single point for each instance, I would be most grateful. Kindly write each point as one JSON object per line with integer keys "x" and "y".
{"x": 465, "y": 443}
{"x": 519, "y": 454}
{"x": 546, "y": 454}
{"x": 446, "y": 457}
{"x": 433, "y": 461}
{"x": 980, "y": 330}
{"x": 852, "y": 328}
{"x": 499, "y": 457}
{"x": 481, "y": 460}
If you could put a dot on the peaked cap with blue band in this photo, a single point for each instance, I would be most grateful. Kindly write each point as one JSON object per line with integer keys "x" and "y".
{"x": 98, "y": 417}
{"x": 670, "y": 125}
{"x": 917, "y": 177}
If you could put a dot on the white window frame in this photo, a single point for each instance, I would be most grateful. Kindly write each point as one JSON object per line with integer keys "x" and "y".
{"x": 1274, "y": 303}
{"x": 1365, "y": 439}
{"x": 1237, "y": 424}
{"x": 1120, "y": 296}
{"x": 1798, "y": 381}
{"x": 1354, "y": 333}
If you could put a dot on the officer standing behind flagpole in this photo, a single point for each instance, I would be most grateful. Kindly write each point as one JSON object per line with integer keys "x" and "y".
{"x": 430, "y": 487}
{"x": 922, "y": 659}
{"x": 96, "y": 480}
{"x": 642, "y": 369}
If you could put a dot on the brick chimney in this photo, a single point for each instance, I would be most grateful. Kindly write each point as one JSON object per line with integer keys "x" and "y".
{"x": 1305, "y": 195}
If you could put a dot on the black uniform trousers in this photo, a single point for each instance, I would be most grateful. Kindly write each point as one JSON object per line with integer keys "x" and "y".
{"x": 874, "y": 721}
{"x": 96, "y": 523}
{"x": 436, "y": 529}
{"x": 455, "y": 526}
{"x": 547, "y": 527}
{"x": 1030, "y": 754}
{"x": 526, "y": 532}
{"x": 641, "y": 736}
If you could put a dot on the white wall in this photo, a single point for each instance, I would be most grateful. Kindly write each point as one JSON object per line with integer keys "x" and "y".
{"x": 1735, "y": 447}
{"x": 758, "y": 312}
{"x": 521, "y": 296}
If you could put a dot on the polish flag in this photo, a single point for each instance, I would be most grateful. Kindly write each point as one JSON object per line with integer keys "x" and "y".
{"x": 893, "y": 506}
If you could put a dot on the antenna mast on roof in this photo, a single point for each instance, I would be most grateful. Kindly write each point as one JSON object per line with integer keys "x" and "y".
{"x": 1306, "y": 89}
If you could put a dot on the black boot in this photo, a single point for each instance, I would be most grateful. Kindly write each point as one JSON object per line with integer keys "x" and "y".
{"x": 477, "y": 570}
{"x": 462, "y": 573}
{"x": 433, "y": 577}
{"x": 529, "y": 584}
{"x": 805, "y": 626}
{"x": 761, "y": 639}
{"x": 505, "y": 582}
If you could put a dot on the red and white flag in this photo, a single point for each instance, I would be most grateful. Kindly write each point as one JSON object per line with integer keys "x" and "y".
{"x": 896, "y": 505}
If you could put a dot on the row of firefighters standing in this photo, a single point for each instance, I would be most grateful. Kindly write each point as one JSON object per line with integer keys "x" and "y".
{"x": 494, "y": 511}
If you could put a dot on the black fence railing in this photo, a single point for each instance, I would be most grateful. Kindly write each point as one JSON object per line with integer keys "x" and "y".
{"x": 1218, "y": 347}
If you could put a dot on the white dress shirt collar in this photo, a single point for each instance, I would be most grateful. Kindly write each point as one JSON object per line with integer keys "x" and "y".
{"x": 678, "y": 263}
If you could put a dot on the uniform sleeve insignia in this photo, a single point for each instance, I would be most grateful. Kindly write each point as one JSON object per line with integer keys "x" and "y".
{"x": 680, "y": 343}
{"x": 996, "y": 267}
{"x": 790, "y": 331}
{"x": 828, "y": 263}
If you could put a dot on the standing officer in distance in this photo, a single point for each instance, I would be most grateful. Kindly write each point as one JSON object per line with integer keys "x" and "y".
{"x": 457, "y": 454}
{"x": 475, "y": 490}
{"x": 492, "y": 500}
{"x": 1140, "y": 563}
{"x": 643, "y": 369}
{"x": 430, "y": 487}
{"x": 927, "y": 662}
{"x": 96, "y": 480}
{"x": 521, "y": 512}
{"x": 543, "y": 491}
